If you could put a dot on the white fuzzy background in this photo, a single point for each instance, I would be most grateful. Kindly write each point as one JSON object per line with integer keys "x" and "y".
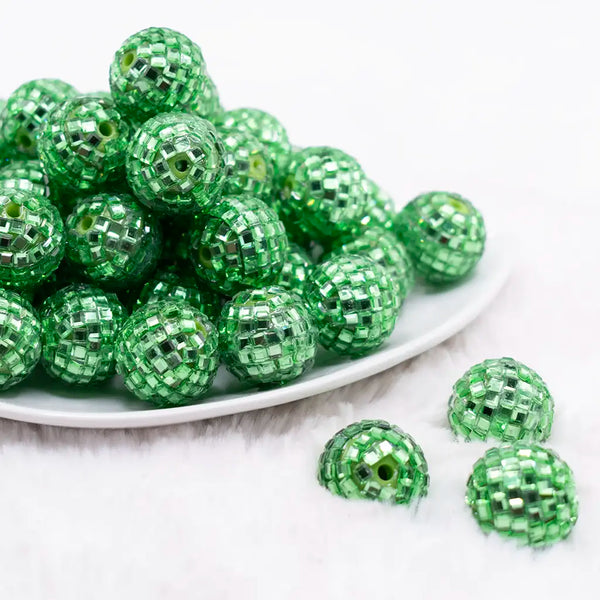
{"x": 499, "y": 101}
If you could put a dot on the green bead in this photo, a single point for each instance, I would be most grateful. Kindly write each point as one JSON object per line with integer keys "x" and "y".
{"x": 250, "y": 170}
{"x": 207, "y": 104}
{"x": 297, "y": 267}
{"x": 267, "y": 336}
{"x": 3, "y": 150}
{"x": 20, "y": 339}
{"x": 324, "y": 194}
{"x": 83, "y": 143}
{"x": 172, "y": 285}
{"x": 380, "y": 210}
{"x": 376, "y": 461}
{"x": 156, "y": 70}
{"x": 354, "y": 302}
{"x": 444, "y": 235}
{"x": 176, "y": 163}
{"x": 167, "y": 353}
{"x": 112, "y": 240}
{"x": 386, "y": 249}
{"x": 80, "y": 324}
{"x": 266, "y": 129}
{"x": 31, "y": 239}
{"x": 523, "y": 491}
{"x": 28, "y": 176}
{"x": 502, "y": 399}
{"x": 27, "y": 109}
{"x": 239, "y": 243}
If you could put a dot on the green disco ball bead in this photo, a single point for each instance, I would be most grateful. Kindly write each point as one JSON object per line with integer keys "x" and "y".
{"x": 502, "y": 399}
{"x": 80, "y": 324}
{"x": 167, "y": 353}
{"x": 173, "y": 285}
{"x": 20, "y": 334}
{"x": 249, "y": 166}
{"x": 523, "y": 491}
{"x": 207, "y": 104}
{"x": 354, "y": 302}
{"x": 3, "y": 150}
{"x": 296, "y": 269}
{"x": 27, "y": 109}
{"x": 156, "y": 70}
{"x": 376, "y": 461}
{"x": 267, "y": 336}
{"x": 324, "y": 193}
{"x": 240, "y": 243}
{"x": 31, "y": 239}
{"x": 28, "y": 176}
{"x": 266, "y": 129}
{"x": 112, "y": 240}
{"x": 176, "y": 163}
{"x": 83, "y": 143}
{"x": 444, "y": 234}
{"x": 387, "y": 250}
{"x": 380, "y": 210}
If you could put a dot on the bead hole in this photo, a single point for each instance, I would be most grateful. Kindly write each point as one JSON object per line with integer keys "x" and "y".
{"x": 24, "y": 141}
{"x": 107, "y": 129}
{"x": 13, "y": 210}
{"x": 205, "y": 256}
{"x": 385, "y": 472}
{"x": 182, "y": 165}
{"x": 258, "y": 168}
{"x": 86, "y": 223}
{"x": 128, "y": 59}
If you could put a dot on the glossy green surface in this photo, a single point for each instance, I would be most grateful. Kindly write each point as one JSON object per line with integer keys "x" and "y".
{"x": 26, "y": 175}
{"x": 297, "y": 267}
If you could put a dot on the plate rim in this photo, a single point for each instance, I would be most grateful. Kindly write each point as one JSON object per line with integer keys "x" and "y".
{"x": 349, "y": 373}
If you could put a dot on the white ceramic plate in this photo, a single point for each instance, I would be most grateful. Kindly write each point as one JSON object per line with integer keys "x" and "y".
{"x": 427, "y": 319}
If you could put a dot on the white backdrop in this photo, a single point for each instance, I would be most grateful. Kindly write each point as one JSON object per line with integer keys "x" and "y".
{"x": 498, "y": 101}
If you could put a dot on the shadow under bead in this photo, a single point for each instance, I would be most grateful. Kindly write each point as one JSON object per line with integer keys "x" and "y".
{"x": 267, "y": 336}
{"x": 20, "y": 335}
{"x": 112, "y": 240}
{"x": 167, "y": 353}
{"x": 31, "y": 239}
{"x": 25, "y": 112}
{"x": 80, "y": 324}
{"x": 444, "y": 235}
{"x": 354, "y": 302}
{"x": 176, "y": 163}
{"x": 83, "y": 143}
{"x": 374, "y": 460}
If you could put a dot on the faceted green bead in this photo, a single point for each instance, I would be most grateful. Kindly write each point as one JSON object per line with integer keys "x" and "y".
{"x": 502, "y": 399}
{"x": 380, "y": 209}
{"x": 170, "y": 284}
{"x": 523, "y": 491}
{"x": 20, "y": 339}
{"x": 27, "y": 109}
{"x": 80, "y": 324}
{"x": 324, "y": 194}
{"x": 267, "y": 336}
{"x": 167, "y": 353}
{"x": 207, "y": 104}
{"x": 112, "y": 240}
{"x": 266, "y": 129}
{"x": 297, "y": 267}
{"x": 4, "y": 153}
{"x": 444, "y": 235}
{"x": 176, "y": 163}
{"x": 28, "y": 176}
{"x": 31, "y": 239}
{"x": 156, "y": 70}
{"x": 386, "y": 249}
{"x": 83, "y": 142}
{"x": 240, "y": 243}
{"x": 376, "y": 461}
{"x": 354, "y": 302}
{"x": 249, "y": 166}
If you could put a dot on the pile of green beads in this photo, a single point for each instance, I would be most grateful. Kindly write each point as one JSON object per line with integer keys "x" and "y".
{"x": 444, "y": 235}
{"x": 267, "y": 336}
{"x": 167, "y": 353}
{"x": 523, "y": 491}
{"x": 80, "y": 324}
{"x": 354, "y": 302}
{"x": 501, "y": 399}
{"x": 20, "y": 339}
{"x": 376, "y": 461}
